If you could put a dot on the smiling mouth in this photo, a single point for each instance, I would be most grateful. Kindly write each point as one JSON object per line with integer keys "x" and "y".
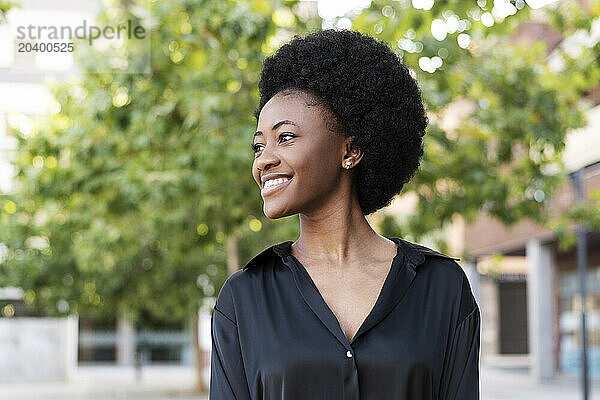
{"x": 267, "y": 190}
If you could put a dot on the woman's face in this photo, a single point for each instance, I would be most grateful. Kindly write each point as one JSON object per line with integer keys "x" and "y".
{"x": 293, "y": 141}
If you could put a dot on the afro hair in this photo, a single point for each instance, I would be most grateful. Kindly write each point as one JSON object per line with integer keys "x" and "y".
{"x": 372, "y": 96}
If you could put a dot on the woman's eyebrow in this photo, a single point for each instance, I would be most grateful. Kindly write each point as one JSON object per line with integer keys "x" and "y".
{"x": 277, "y": 125}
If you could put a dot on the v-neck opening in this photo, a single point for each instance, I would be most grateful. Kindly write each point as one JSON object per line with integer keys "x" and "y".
{"x": 389, "y": 279}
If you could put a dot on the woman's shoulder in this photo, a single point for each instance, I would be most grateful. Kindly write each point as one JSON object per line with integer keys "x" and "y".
{"x": 444, "y": 275}
{"x": 249, "y": 278}
{"x": 426, "y": 260}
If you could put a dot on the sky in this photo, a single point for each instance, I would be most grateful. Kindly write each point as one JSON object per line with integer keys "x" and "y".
{"x": 333, "y": 8}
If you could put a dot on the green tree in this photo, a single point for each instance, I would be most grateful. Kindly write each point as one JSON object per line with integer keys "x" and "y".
{"x": 125, "y": 200}
{"x": 4, "y": 7}
{"x": 504, "y": 157}
{"x": 129, "y": 197}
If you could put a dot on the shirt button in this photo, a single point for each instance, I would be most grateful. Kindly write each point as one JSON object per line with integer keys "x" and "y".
{"x": 348, "y": 354}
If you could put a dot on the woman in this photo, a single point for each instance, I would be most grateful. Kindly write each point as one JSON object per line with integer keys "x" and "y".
{"x": 342, "y": 313}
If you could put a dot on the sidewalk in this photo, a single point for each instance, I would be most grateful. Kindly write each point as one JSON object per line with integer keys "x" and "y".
{"x": 157, "y": 382}
{"x": 507, "y": 378}
{"x": 502, "y": 378}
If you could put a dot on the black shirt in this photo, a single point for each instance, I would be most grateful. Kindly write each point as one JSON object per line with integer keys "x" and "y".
{"x": 274, "y": 337}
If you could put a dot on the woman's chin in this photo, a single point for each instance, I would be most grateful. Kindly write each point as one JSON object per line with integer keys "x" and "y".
{"x": 273, "y": 211}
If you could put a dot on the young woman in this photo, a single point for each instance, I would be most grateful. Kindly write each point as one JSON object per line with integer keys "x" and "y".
{"x": 342, "y": 313}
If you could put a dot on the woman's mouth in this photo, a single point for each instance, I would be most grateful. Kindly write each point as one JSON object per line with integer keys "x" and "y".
{"x": 274, "y": 185}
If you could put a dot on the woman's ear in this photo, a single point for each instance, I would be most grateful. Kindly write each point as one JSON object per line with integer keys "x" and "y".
{"x": 351, "y": 155}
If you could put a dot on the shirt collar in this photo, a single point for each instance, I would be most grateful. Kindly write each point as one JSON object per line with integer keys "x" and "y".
{"x": 416, "y": 253}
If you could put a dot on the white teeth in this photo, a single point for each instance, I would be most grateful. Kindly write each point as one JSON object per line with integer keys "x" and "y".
{"x": 275, "y": 182}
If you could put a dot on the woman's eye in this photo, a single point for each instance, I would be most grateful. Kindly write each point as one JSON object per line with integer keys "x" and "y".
{"x": 286, "y": 134}
{"x": 256, "y": 148}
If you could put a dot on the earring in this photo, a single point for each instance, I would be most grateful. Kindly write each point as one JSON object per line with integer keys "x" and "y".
{"x": 347, "y": 164}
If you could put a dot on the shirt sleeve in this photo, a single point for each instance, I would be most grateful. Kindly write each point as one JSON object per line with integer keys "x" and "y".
{"x": 227, "y": 375}
{"x": 461, "y": 372}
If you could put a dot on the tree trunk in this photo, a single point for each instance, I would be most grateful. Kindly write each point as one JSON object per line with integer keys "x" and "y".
{"x": 200, "y": 383}
{"x": 233, "y": 257}
{"x": 232, "y": 266}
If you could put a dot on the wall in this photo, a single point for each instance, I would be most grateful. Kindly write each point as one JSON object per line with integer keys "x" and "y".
{"x": 37, "y": 349}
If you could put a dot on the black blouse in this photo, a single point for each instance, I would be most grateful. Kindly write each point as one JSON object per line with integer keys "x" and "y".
{"x": 274, "y": 337}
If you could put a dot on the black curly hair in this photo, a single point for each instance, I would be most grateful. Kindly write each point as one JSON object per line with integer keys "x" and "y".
{"x": 372, "y": 97}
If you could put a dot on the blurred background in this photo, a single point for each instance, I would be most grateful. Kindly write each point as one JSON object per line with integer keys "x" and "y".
{"x": 126, "y": 195}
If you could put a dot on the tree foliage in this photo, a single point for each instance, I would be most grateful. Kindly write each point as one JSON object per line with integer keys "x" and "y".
{"x": 504, "y": 154}
{"x": 124, "y": 199}
{"x": 4, "y": 7}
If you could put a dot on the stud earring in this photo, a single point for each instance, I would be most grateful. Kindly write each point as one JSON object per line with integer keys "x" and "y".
{"x": 347, "y": 164}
